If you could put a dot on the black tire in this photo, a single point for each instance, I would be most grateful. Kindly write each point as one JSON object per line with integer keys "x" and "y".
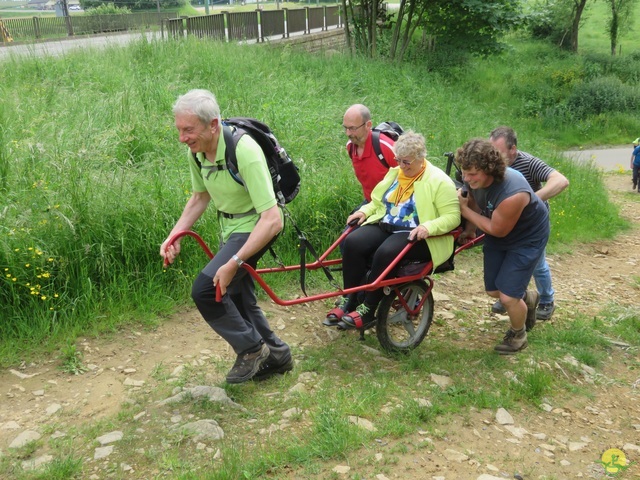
{"x": 398, "y": 331}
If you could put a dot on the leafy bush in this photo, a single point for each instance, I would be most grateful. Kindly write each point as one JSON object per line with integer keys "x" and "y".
{"x": 129, "y": 5}
{"x": 627, "y": 69}
{"x": 106, "y": 9}
{"x": 602, "y": 95}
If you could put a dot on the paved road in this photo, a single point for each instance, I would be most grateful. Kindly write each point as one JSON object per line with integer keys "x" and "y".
{"x": 59, "y": 47}
{"x": 608, "y": 159}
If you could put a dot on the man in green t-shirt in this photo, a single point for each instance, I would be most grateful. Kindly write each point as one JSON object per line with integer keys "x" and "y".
{"x": 249, "y": 219}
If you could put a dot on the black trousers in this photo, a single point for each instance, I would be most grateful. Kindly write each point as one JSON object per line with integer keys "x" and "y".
{"x": 368, "y": 251}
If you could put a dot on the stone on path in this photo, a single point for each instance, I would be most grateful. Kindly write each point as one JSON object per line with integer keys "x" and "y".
{"x": 130, "y": 382}
{"x": 455, "y": 456}
{"x": 11, "y": 425}
{"x": 102, "y": 452}
{"x": 362, "y": 423}
{"x": 441, "y": 380}
{"x": 213, "y": 394}
{"x": 503, "y": 417}
{"x": 110, "y": 438}
{"x": 53, "y": 408}
{"x": 36, "y": 462}
{"x": 341, "y": 469}
{"x": 24, "y": 438}
{"x": 202, "y": 430}
{"x": 575, "y": 446}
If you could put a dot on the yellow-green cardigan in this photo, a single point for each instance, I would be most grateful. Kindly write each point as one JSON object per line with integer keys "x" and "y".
{"x": 437, "y": 205}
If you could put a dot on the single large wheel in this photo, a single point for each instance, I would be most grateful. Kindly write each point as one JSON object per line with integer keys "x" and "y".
{"x": 397, "y": 329}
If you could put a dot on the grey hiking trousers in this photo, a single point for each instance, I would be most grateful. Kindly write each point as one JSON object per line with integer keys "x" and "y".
{"x": 238, "y": 318}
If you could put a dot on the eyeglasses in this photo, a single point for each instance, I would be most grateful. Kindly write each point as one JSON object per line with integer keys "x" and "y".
{"x": 405, "y": 163}
{"x": 352, "y": 129}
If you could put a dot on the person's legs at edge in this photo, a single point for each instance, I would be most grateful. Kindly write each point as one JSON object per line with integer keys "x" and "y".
{"x": 507, "y": 275}
{"x": 542, "y": 278}
{"x": 243, "y": 296}
{"x": 357, "y": 249}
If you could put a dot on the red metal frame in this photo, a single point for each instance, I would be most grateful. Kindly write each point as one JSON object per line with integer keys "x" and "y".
{"x": 379, "y": 282}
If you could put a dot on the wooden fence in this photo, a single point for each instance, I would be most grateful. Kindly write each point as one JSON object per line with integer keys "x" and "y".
{"x": 257, "y": 25}
{"x": 36, "y": 28}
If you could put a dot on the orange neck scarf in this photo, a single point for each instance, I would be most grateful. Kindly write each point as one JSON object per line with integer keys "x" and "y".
{"x": 405, "y": 186}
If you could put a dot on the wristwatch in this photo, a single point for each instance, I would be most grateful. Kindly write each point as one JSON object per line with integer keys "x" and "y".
{"x": 238, "y": 260}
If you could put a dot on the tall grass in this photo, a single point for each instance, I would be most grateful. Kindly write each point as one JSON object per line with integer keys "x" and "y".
{"x": 92, "y": 176}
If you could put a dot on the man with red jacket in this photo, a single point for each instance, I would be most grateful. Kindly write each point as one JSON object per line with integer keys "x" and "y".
{"x": 368, "y": 167}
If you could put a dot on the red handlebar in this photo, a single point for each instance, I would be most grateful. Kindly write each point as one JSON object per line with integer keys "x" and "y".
{"x": 322, "y": 262}
{"x": 204, "y": 246}
{"x": 184, "y": 233}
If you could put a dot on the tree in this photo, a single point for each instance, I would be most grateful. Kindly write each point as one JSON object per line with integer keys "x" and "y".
{"x": 620, "y": 20}
{"x": 409, "y": 17}
{"x": 558, "y": 21}
{"x": 474, "y": 26}
{"x": 578, "y": 8}
{"x": 365, "y": 18}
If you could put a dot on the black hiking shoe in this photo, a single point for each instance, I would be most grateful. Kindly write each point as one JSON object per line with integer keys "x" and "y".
{"x": 278, "y": 362}
{"x": 498, "y": 308}
{"x": 545, "y": 310}
{"x": 270, "y": 368}
{"x": 512, "y": 342}
{"x": 247, "y": 365}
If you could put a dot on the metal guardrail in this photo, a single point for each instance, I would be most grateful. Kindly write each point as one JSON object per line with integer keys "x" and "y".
{"x": 296, "y": 21}
{"x": 271, "y": 23}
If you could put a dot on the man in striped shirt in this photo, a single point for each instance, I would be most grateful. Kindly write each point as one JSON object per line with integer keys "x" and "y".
{"x": 547, "y": 183}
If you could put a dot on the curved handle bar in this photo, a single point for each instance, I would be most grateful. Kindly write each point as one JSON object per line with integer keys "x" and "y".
{"x": 204, "y": 246}
{"x": 184, "y": 233}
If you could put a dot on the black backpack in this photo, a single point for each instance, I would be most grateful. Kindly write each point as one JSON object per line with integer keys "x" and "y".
{"x": 284, "y": 173}
{"x": 391, "y": 130}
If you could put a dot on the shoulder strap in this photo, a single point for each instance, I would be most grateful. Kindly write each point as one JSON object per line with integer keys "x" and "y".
{"x": 375, "y": 141}
{"x": 197, "y": 160}
{"x": 231, "y": 138}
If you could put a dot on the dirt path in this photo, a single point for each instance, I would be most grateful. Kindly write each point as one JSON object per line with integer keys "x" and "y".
{"x": 32, "y": 397}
